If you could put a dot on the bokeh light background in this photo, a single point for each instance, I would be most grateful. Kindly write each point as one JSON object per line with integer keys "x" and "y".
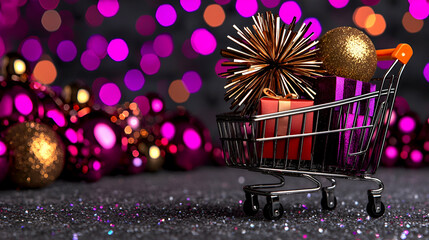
{"x": 125, "y": 49}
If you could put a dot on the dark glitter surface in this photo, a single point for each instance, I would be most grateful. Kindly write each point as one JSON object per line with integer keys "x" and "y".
{"x": 207, "y": 204}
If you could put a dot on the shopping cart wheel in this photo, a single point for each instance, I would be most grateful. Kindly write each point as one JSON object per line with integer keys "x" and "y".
{"x": 375, "y": 206}
{"x": 273, "y": 210}
{"x": 251, "y": 204}
{"x": 329, "y": 201}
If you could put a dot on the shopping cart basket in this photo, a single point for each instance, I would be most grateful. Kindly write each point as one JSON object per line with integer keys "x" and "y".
{"x": 356, "y": 155}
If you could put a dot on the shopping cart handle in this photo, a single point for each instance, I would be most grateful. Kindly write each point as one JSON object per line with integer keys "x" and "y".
{"x": 402, "y": 52}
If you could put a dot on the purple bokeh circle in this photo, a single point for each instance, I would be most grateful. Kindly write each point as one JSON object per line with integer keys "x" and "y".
{"x": 426, "y": 72}
{"x": 270, "y": 3}
{"x": 203, "y": 42}
{"x": 221, "y": 69}
{"x": 31, "y": 49}
{"x": 166, "y": 15}
{"x": 222, "y": 2}
{"x": 93, "y": 16}
{"x": 98, "y": 44}
{"x": 315, "y": 28}
{"x": 117, "y": 49}
{"x": 143, "y": 103}
{"x": 66, "y": 51}
{"x": 110, "y": 94}
{"x": 145, "y": 25}
{"x": 339, "y": 3}
{"x": 147, "y": 48}
{"x": 108, "y": 8}
{"x": 288, "y": 10}
{"x": 163, "y": 45}
{"x": 370, "y": 2}
{"x": 246, "y": 8}
{"x": 150, "y": 64}
{"x": 190, "y": 5}
{"x": 49, "y": 4}
{"x": 192, "y": 81}
{"x": 419, "y": 9}
{"x": 89, "y": 60}
{"x": 134, "y": 79}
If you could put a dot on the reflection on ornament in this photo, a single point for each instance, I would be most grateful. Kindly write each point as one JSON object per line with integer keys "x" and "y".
{"x": 104, "y": 135}
{"x": 168, "y": 130}
{"x": 407, "y": 124}
{"x": 95, "y": 147}
{"x": 37, "y": 154}
{"x": 191, "y": 139}
{"x": 189, "y": 142}
{"x": 390, "y": 156}
{"x": 15, "y": 67}
{"x": 156, "y": 103}
{"x": 80, "y": 165}
{"x": 18, "y": 103}
{"x": 348, "y": 52}
{"x": 51, "y": 108}
{"x": 415, "y": 158}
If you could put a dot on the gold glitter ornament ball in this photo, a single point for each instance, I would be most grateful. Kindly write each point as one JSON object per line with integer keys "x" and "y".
{"x": 348, "y": 52}
{"x": 37, "y": 154}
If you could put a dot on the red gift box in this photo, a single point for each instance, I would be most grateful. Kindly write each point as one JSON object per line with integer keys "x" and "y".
{"x": 271, "y": 105}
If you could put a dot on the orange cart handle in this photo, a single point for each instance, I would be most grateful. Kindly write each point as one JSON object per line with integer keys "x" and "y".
{"x": 402, "y": 52}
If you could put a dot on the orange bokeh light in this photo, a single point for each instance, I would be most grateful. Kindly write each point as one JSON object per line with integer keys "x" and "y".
{"x": 370, "y": 21}
{"x": 363, "y": 17}
{"x": 214, "y": 15}
{"x": 378, "y": 27}
{"x": 178, "y": 92}
{"x": 411, "y": 24}
{"x": 45, "y": 72}
{"x": 51, "y": 20}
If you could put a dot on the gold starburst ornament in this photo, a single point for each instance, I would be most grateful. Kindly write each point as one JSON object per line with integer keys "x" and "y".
{"x": 271, "y": 56}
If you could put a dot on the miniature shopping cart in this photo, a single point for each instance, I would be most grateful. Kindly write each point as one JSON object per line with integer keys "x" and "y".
{"x": 342, "y": 145}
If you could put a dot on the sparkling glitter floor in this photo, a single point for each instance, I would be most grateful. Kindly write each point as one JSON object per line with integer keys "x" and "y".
{"x": 207, "y": 203}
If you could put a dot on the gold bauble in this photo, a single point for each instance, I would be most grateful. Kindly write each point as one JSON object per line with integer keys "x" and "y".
{"x": 348, "y": 52}
{"x": 37, "y": 154}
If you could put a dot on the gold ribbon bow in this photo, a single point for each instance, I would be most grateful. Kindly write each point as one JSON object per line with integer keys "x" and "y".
{"x": 269, "y": 93}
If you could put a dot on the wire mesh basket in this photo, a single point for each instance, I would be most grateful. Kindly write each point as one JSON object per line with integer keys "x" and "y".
{"x": 330, "y": 141}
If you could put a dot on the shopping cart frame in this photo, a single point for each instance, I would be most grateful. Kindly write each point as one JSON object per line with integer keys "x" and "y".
{"x": 242, "y": 143}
